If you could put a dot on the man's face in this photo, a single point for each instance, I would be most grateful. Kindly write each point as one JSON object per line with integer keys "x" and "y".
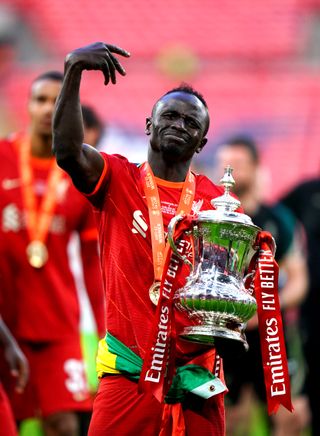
{"x": 41, "y": 105}
{"x": 177, "y": 127}
{"x": 244, "y": 167}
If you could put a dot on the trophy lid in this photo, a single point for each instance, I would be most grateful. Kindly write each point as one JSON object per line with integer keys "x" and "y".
{"x": 226, "y": 202}
{"x": 226, "y": 205}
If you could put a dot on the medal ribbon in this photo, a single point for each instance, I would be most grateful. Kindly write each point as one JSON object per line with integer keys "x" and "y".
{"x": 37, "y": 219}
{"x": 155, "y": 214}
{"x": 158, "y": 365}
{"x": 156, "y": 375}
{"x": 272, "y": 343}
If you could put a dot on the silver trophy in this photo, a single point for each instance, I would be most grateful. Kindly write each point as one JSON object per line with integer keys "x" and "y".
{"x": 216, "y": 294}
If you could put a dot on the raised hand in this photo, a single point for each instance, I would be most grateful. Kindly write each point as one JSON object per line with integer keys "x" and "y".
{"x": 98, "y": 56}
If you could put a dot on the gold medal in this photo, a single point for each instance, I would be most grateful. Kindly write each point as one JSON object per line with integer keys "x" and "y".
{"x": 158, "y": 241}
{"x": 154, "y": 292}
{"x": 37, "y": 254}
{"x": 38, "y": 216}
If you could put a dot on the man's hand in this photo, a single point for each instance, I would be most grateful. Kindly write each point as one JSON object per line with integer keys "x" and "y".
{"x": 98, "y": 56}
{"x": 83, "y": 163}
{"x": 18, "y": 364}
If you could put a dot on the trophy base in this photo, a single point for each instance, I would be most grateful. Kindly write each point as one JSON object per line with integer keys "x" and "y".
{"x": 228, "y": 343}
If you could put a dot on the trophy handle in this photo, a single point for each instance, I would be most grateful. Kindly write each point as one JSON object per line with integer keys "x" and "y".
{"x": 171, "y": 229}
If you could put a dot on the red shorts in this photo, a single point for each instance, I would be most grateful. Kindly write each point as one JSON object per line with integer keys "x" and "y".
{"x": 119, "y": 410}
{"x": 7, "y": 424}
{"x": 57, "y": 381}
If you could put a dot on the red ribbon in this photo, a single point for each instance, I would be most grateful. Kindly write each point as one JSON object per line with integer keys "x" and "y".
{"x": 272, "y": 343}
{"x": 158, "y": 366}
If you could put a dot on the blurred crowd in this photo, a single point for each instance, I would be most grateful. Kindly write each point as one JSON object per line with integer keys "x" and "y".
{"x": 38, "y": 283}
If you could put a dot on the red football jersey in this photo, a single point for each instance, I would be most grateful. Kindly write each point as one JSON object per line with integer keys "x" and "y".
{"x": 125, "y": 246}
{"x": 39, "y": 304}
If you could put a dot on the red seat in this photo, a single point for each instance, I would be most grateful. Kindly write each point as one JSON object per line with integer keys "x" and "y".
{"x": 208, "y": 28}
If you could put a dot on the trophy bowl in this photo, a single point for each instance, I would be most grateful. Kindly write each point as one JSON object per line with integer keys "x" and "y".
{"x": 218, "y": 291}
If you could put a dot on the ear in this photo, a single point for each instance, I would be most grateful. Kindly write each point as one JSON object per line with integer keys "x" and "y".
{"x": 147, "y": 129}
{"x": 203, "y": 143}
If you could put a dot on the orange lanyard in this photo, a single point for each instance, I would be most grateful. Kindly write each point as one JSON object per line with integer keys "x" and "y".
{"x": 158, "y": 242}
{"x": 38, "y": 220}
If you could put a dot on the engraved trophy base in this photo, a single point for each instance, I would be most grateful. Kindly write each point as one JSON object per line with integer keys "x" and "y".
{"x": 229, "y": 343}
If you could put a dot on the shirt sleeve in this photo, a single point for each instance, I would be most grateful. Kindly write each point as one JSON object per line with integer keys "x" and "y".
{"x": 116, "y": 167}
{"x": 96, "y": 197}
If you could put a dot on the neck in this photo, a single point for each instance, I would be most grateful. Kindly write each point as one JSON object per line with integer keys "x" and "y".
{"x": 174, "y": 172}
{"x": 41, "y": 146}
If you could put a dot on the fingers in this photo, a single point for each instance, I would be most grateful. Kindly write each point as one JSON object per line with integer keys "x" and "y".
{"x": 113, "y": 63}
{"x": 109, "y": 68}
{"x": 22, "y": 375}
{"x": 106, "y": 72}
{"x": 117, "y": 65}
{"x": 99, "y": 56}
{"x": 118, "y": 50}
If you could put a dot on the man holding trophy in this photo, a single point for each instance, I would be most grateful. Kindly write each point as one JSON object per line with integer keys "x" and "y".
{"x": 158, "y": 365}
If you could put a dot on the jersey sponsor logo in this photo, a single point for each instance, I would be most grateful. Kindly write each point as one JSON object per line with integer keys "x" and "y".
{"x": 12, "y": 220}
{"x": 139, "y": 224}
{"x": 8, "y": 184}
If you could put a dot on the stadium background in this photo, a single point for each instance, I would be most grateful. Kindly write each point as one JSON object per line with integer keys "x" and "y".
{"x": 256, "y": 62}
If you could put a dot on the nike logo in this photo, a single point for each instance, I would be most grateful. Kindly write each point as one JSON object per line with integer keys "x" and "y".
{"x": 10, "y": 183}
{"x": 139, "y": 224}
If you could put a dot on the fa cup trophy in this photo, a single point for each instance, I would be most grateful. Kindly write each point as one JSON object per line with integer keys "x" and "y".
{"x": 216, "y": 294}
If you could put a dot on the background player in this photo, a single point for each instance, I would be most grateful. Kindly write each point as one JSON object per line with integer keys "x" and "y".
{"x": 245, "y": 376}
{"x": 39, "y": 210}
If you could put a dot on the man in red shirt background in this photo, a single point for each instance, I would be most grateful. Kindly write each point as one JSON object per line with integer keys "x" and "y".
{"x": 40, "y": 209}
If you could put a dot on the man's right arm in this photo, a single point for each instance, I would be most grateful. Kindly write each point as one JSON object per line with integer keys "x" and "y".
{"x": 83, "y": 162}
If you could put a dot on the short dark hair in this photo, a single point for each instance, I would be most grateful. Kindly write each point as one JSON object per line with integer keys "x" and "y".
{"x": 188, "y": 89}
{"x": 50, "y": 75}
{"x": 246, "y": 142}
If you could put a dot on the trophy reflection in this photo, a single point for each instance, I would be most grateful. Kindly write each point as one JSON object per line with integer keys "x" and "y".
{"x": 216, "y": 294}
